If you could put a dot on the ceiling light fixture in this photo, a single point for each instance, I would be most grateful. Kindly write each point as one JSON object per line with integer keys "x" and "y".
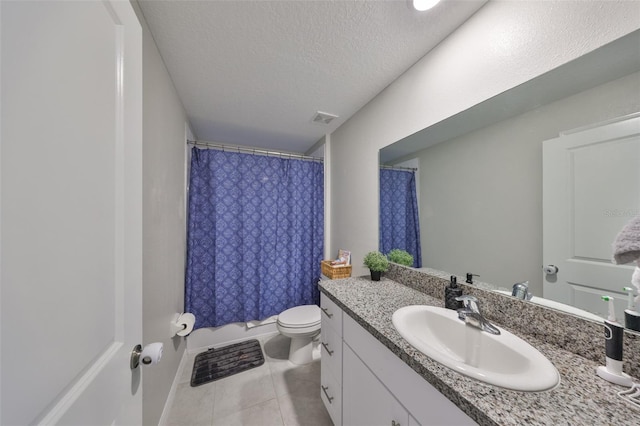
{"x": 422, "y": 5}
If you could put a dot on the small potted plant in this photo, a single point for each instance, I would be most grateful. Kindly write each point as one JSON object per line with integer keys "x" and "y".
{"x": 377, "y": 264}
{"x": 400, "y": 257}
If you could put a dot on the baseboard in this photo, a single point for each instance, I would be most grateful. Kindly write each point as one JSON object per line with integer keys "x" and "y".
{"x": 205, "y": 338}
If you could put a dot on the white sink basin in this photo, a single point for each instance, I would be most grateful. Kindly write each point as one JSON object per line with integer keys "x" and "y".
{"x": 502, "y": 360}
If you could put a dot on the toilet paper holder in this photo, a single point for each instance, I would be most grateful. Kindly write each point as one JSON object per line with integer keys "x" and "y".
{"x": 150, "y": 355}
{"x": 183, "y": 324}
{"x": 176, "y": 327}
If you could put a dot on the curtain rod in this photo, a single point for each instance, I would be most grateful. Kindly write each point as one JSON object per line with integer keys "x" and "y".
{"x": 236, "y": 148}
{"x": 410, "y": 169}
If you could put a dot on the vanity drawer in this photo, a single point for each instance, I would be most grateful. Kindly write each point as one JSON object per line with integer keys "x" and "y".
{"x": 331, "y": 395}
{"x": 331, "y": 347}
{"x": 331, "y": 314}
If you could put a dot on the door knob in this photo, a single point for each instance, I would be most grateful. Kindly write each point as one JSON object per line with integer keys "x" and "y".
{"x": 150, "y": 355}
{"x": 550, "y": 269}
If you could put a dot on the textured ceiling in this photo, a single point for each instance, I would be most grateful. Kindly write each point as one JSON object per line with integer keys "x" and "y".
{"x": 254, "y": 73}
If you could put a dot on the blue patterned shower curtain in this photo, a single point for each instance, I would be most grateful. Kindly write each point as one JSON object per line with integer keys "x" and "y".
{"x": 255, "y": 236}
{"x": 399, "y": 222}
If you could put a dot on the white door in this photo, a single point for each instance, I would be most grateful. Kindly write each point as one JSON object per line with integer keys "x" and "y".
{"x": 71, "y": 244}
{"x": 591, "y": 189}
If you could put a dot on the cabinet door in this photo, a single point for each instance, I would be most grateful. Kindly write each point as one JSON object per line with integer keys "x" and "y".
{"x": 331, "y": 395}
{"x": 331, "y": 347}
{"x": 331, "y": 314}
{"x": 365, "y": 400}
{"x": 413, "y": 421}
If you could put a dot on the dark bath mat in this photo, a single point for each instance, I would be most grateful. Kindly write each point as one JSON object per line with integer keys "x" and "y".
{"x": 216, "y": 364}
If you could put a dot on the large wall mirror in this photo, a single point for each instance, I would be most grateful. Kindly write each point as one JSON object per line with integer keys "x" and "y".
{"x": 480, "y": 179}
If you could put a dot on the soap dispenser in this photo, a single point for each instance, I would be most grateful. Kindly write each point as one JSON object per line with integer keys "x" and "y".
{"x": 613, "y": 334}
{"x": 451, "y": 293}
{"x": 470, "y": 277}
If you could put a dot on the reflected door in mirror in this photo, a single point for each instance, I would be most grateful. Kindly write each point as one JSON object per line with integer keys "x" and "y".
{"x": 591, "y": 189}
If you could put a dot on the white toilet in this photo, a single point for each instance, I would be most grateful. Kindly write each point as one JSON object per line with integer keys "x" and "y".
{"x": 301, "y": 324}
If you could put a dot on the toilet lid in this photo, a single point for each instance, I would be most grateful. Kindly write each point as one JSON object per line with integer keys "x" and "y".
{"x": 300, "y": 316}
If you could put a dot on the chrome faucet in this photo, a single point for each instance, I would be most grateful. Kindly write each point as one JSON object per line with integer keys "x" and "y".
{"x": 521, "y": 291}
{"x": 472, "y": 315}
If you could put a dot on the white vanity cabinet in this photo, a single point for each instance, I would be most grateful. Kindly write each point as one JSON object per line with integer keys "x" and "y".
{"x": 331, "y": 358}
{"x": 366, "y": 401}
{"x": 376, "y": 387}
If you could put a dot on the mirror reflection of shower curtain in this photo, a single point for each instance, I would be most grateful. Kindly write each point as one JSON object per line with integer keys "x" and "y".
{"x": 399, "y": 223}
{"x": 255, "y": 236}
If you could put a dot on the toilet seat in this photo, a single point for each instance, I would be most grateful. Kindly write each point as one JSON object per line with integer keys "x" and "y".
{"x": 299, "y": 317}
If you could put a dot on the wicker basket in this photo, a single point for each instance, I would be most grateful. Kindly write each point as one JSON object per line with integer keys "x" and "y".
{"x": 334, "y": 272}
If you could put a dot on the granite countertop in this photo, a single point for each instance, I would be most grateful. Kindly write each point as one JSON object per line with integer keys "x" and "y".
{"x": 581, "y": 397}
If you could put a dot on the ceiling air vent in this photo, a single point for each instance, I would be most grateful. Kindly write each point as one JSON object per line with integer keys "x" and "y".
{"x": 323, "y": 117}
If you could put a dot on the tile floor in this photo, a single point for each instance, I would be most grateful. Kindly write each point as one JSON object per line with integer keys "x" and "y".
{"x": 278, "y": 393}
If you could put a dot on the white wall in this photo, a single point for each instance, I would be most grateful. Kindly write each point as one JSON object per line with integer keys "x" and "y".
{"x": 504, "y": 44}
{"x": 482, "y": 192}
{"x": 163, "y": 223}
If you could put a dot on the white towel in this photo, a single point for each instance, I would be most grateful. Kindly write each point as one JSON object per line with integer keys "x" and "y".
{"x": 626, "y": 247}
{"x": 635, "y": 281}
